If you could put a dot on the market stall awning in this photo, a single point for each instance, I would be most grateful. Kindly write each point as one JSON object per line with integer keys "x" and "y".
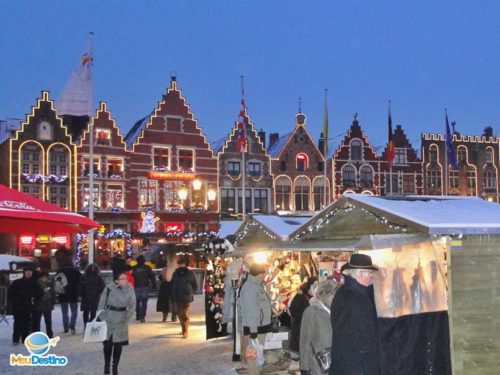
{"x": 21, "y": 212}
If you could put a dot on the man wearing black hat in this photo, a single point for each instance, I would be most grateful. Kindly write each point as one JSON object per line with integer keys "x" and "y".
{"x": 354, "y": 321}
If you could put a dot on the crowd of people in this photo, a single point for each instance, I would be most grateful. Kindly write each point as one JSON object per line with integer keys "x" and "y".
{"x": 333, "y": 326}
{"x": 35, "y": 294}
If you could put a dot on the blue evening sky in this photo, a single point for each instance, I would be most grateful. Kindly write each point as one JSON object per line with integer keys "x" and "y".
{"x": 423, "y": 55}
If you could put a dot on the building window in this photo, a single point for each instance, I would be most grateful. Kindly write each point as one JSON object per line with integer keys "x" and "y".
{"x": 58, "y": 161}
{"x": 260, "y": 200}
{"x": 161, "y": 158}
{"x": 58, "y": 195}
{"x": 248, "y": 201}
{"x": 462, "y": 155}
{"x": 148, "y": 192}
{"x": 254, "y": 169}
{"x": 86, "y": 195}
{"x": 283, "y": 192}
{"x": 408, "y": 184}
{"x": 233, "y": 168}
{"x": 114, "y": 196}
{"x": 320, "y": 184}
{"x": 453, "y": 179}
{"x": 33, "y": 190}
{"x": 172, "y": 193}
{"x": 366, "y": 176}
{"x": 302, "y": 162}
{"x": 115, "y": 168}
{"x": 228, "y": 200}
{"x": 348, "y": 176}
{"x": 400, "y": 156}
{"x": 471, "y": 179}
{"x": 433, "y": 153}
{"x": 356, "y": 150}
{"x": 282, "y": 166}
{"x": 302, "y": 191}
{"x": 97, "y": 166}
{"x": 489, "y": 156}
{"x": 392, "y": 181}
{"x": 490, "y": 179}
{"x": 30, "y": 159}
{"x": 434, "y": 178}
{"x": 102, "y": 137}
{"x": 186, "y": 160}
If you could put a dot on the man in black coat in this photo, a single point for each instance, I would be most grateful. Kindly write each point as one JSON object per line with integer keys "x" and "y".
{"x": 143, "y": 275}
{"x": 22, "y": 296}
{"x": 69, "y": 299}
{"x": 355, "y": 349}
{"x": 183, "y": 287}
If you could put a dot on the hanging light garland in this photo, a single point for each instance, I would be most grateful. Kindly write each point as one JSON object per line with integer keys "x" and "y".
{"x": 34, "y": 178}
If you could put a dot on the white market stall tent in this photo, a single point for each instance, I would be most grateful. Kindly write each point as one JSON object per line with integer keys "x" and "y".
{"x": 437, "y": 292}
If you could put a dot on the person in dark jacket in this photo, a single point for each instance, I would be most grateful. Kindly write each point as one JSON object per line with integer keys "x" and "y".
{"x": 70, "y": 297}
{"x": 92, "y": 287}
{"x": 45, "y": 304}
{"x": 355, "y": 349}
{"x": 164, "y": 302}
{"x": 183, "y": 287}
{"x": 297, "y": 307}
{"x": 21, "y": 297}
{"x": 143, "y": 275}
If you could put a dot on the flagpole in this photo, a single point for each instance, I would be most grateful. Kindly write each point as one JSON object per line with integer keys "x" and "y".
{"x": 90, "y": 241}
{"x": 243, "y": 167}
{"x": 325, "y": 147}
{"x": 390, "y": 167}
{"x": 445, "y": 190}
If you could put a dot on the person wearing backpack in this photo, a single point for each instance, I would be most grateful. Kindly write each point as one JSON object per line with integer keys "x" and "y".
{"x": 67, "y": 286}
{"x": 45, "y": 304}
{"x": 92, "y": 287}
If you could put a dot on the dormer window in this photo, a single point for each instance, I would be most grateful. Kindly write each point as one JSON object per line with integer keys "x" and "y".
{"x": 356, "y": 150}
{"x": 302, "y": 162}
{"x": 102, "y": 137}
{"x": 233, "y": 168}
{"x": 254, "y": 169}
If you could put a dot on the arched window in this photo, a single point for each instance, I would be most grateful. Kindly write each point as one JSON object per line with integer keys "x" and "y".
{"x": 366, "y": 176}
{"x": 283, "y": 190}
{"x": 348, "y": 176}
{"x": 58, "y": 170}
{"x": 319, "y": 186}
{"x": 31, "y": 155}
{"x": 433, "y": 153}
{"x": 356, "y": 150}
{"x": 461, "y": 154}
{"x": 302, "y": 190}
{"x": 302, "y": 162}
{"x": 489, "y": 155}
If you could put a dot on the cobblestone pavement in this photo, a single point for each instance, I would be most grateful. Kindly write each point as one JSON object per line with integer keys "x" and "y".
{"x": 155, "y": 348}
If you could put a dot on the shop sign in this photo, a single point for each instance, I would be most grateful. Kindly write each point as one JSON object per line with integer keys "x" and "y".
{"x": 456, "y": 244}
{"x": 174, "y": 227}
{"x": 170, "y": 176}
{"x": 43, "y": 238}
{"x": 26, "y": 240}
{"x": 62, "y": 240}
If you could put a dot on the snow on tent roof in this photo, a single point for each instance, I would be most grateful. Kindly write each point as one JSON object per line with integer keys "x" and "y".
{"x": 276, "y": 148}
{"x": 217, "y": 145}
{"x": 281, "y": 225}
{"x": 439, "y": 214}
{"x": 229, "y": 227}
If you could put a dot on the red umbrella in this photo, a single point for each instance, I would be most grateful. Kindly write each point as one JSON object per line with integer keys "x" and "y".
{"x": 22, "y": 212}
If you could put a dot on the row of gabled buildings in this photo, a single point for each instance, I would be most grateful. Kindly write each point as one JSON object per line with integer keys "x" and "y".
{"x": 164, "y": 176}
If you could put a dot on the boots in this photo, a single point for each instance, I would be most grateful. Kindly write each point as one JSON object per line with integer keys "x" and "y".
{"x": 164, "y": 317}
{"x": 107, "y": 349}
{"x": 117, "y": 352}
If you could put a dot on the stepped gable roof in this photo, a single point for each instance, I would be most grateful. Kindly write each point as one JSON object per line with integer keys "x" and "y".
{"x": 354, "y": 131}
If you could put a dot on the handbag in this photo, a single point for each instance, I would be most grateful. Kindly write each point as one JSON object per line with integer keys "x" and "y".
{"x": 95, "y": 331}
{"x": 324, "y": 358}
